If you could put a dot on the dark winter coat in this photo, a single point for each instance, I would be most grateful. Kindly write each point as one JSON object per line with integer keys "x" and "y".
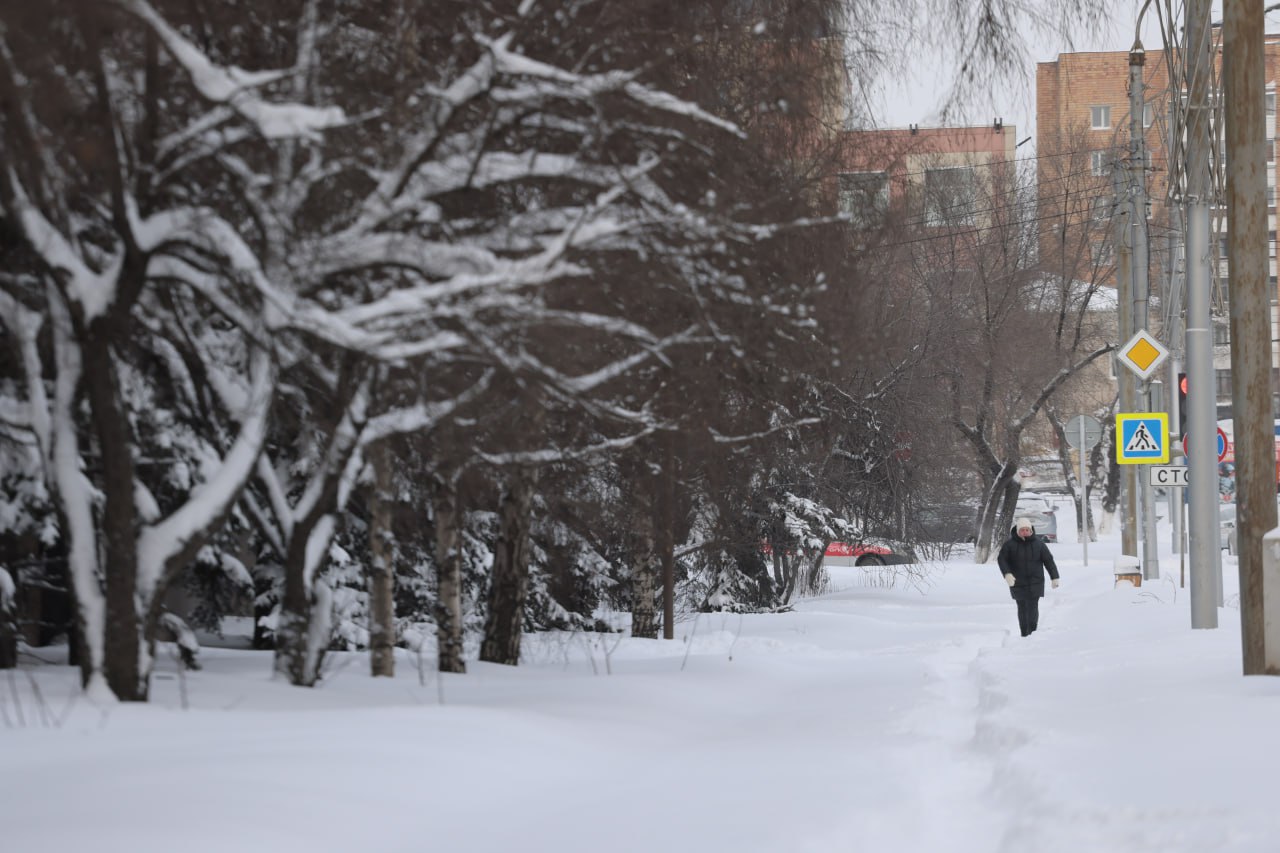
{"x": 1026, "y": 559}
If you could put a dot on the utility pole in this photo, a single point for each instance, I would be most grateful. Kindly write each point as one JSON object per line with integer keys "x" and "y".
{"x": 1141, "y": 287}
{"x": 1175, "y": 418}
{"x": 1242, "y": 65}
{"x": 1175, "y": 339}
{"x": 1202, "y": 426}
{"x": 1126, "y": 380}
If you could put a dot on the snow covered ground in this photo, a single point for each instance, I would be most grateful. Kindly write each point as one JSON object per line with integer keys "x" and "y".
{"x": 909, "y": 717}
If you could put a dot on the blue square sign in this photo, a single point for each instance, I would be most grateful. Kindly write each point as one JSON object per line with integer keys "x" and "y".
{"x": 1142, "y": 438}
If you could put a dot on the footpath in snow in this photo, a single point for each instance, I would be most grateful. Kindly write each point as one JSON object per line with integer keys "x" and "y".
{"x": 885, "y": 715}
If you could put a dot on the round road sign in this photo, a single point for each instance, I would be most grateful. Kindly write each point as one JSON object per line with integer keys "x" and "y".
{"x": 1092, "y": 431}
{"x": 1222, "y": 444}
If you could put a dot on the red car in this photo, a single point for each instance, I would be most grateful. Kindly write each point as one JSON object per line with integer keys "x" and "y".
{"x": 861, "y": 554}
{"x": 858, "y": 554}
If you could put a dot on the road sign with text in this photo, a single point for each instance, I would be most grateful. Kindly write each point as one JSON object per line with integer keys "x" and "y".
{"x": 1167, "y": 475}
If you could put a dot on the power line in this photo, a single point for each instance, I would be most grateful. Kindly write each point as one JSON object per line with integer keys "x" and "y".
{"x": 989, "y": 164}
{"x": 977, "y": 229}
{"x": 926, "y": 219}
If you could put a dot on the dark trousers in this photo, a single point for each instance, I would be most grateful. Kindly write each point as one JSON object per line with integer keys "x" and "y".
{"x": 1028, "y": 614}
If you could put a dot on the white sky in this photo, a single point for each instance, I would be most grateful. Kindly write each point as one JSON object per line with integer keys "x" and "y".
{"x": 895, "y": 719}
{"x": 916, "y": 98}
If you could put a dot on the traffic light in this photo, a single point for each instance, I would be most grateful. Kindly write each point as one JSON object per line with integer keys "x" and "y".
{"x": 1182, "y": 404}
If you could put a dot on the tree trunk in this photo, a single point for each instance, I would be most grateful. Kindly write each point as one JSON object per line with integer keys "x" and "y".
{"x": 302, "y": 630}
{"x": 644, "y": 621}
{"x": 1111, "y": 497}
{"x": 510, "y": 583}
{"x": 790, "y": 575}
{"x": 8, "y": 622}
{"x": 448, "y": 607}
{"x": 997, "y": 514}
{"x": 815, "y": 575}
{"x": 123, "y": 666}
{"x": 666, "y": 536}
{"x": 382, "y": 575}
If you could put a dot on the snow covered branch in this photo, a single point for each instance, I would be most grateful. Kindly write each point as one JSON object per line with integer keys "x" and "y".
{"x": 550, "y": 456}
{"x": 591, "y": 86}
{"x": 236, "y": 87}
{"x": 165, "y": 546}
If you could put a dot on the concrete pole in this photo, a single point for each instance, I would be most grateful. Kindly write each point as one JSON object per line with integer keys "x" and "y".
{"x": 1081, "y": 449}
{"x": 1141, "y": 286}
{"x": 1245, "y": 99}
{"x": 1176, "y": 494}
{"x": 1202, "y": 426}
{"x": 1124, "y": 377}
{"x": 1175, "y": 339}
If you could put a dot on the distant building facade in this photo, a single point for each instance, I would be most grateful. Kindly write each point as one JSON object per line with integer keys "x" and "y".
{"x": 1082, "y": 136}
{"x": 924, "y": 176}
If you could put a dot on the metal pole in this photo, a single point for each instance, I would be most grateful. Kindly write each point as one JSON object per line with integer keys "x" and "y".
{"x": 1175, "y": 418}
{"x": 1125, "y": 379}
{"x": 1141, "y": 287}
{"x": 1084, "y": 497}
{"x": 1245, "y": 97}
{"x": 1175, "y": 339}
{"x": 1201, "y": 399}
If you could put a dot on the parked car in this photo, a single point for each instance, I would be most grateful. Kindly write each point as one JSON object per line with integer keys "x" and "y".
{"x": 1042, "y": 474}
{"x": 864, "y": 554}
{"x": 949, "y": 523}
{"x": 1041, "y": 511}
{"x": 869, "y": 553}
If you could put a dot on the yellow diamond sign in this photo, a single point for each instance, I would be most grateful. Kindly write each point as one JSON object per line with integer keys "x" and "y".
{"x": 1142, "y": 354}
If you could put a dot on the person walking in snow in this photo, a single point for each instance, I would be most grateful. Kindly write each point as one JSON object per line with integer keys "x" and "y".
{"x": 1023, "y": 560}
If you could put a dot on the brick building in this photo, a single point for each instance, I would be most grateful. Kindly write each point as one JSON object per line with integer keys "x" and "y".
{"x": 925, "y": 176}
{"x": 1082, "y": 137}
{"x": 1082, "y": 133}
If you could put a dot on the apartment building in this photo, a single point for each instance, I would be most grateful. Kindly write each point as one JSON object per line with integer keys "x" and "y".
{"x": 924, "y": 176}
{"x": 1082, "y": 148}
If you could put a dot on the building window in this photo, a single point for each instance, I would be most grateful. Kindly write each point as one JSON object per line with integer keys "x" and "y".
{"x": 1271, "y": 103}
{"x": 1100, "y": 117}
{"x": 951, "y": 196}
{"x": 864, "y": 196}
{"x": 1101, "y": 210}
{"x": 1222, "y": 247}
{"x": 1224, "y": 384}
{"x": 1098, "y": 163}
{"x": 1148, "y": 114}
{"x": 1221, "y": 334}
{"x": 1102, "y": 256}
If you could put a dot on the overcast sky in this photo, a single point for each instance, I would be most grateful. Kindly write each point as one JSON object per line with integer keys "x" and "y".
{"x": 917, "y": 99}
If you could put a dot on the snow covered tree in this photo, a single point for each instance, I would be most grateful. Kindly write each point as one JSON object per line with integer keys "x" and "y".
{"x": 1015, "y": 338}
{"x": 125, "y": 272}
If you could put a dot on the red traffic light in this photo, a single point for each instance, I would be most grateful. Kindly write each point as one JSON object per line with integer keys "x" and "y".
{"x": 1182, "y": 384}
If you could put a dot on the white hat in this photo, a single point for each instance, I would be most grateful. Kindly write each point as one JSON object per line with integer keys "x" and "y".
{"x": 1023, "y": 522}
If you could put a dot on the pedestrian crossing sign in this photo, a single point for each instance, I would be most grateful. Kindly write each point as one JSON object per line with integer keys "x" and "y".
{"x": 1142, "y": 438}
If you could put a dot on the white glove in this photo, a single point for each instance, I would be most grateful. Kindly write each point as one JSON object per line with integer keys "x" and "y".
{"x": 1009, "y": 579}
{"x": 1055, "y": 583}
